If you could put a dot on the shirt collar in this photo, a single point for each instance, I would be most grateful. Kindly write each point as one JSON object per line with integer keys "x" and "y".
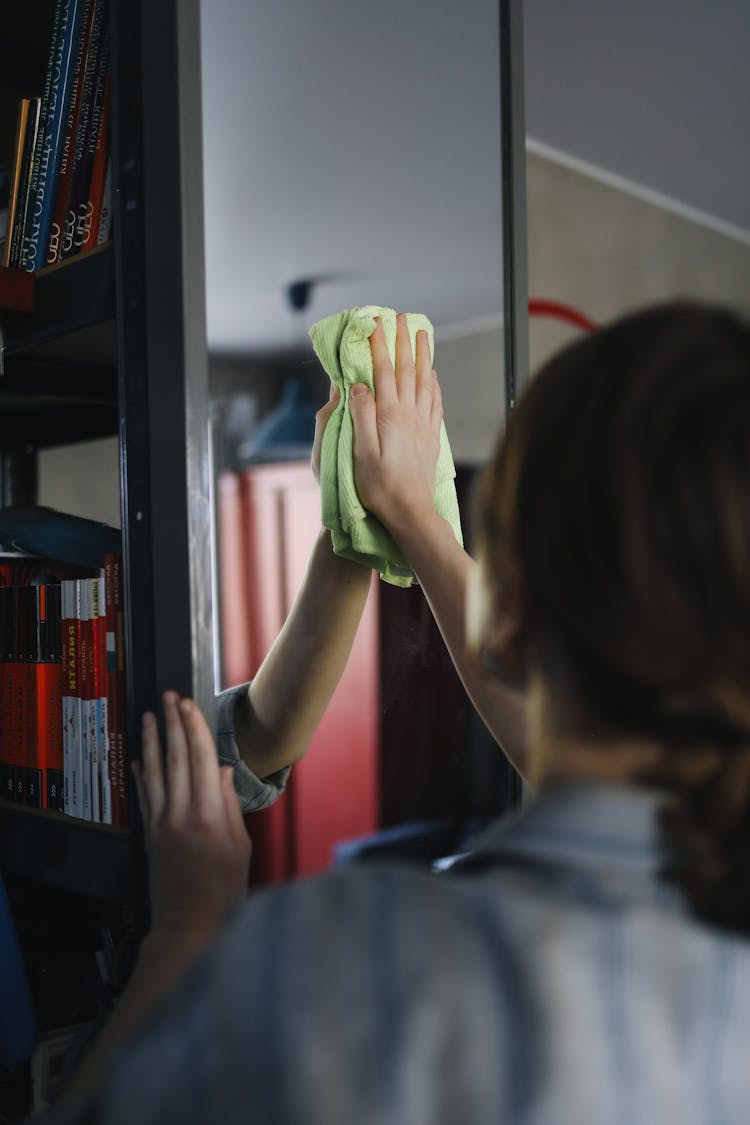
{"x": 587, "y": 825}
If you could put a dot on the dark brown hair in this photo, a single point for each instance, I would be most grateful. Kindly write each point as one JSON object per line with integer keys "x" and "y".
{"x": 621, "y": 490}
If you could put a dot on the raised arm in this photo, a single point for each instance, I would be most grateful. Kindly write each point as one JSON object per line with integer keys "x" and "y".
{"x": 276, "y": 719}
{"x": 391, "y": 436}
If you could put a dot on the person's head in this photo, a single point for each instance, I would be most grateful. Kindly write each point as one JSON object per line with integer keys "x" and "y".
{"x": 614, "y": 532}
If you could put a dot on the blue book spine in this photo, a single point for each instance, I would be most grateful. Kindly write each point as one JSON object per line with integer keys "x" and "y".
{"x": 57, "y": 114}
{"x": 39, "y": 137}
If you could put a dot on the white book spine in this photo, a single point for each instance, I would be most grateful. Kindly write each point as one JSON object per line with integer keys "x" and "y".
{"x": 84, "y": 608}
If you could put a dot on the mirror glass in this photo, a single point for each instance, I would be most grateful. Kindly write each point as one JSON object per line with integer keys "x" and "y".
{"x": 351, "y": 157}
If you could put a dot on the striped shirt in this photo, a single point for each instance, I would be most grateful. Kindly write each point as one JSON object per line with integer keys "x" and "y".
{"x": 254, "y": 792}
{"x": 550, "y": 976}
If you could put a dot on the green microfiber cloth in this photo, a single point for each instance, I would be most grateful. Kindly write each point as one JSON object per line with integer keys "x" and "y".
{"x": 342, "y": 344}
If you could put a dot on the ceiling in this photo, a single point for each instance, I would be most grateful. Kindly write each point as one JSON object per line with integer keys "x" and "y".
{"x": 653, "y": 92}
{"x": 359, "y": 144}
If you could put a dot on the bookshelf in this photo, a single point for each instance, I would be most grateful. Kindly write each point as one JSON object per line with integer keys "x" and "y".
{"x": 115, "y": 346}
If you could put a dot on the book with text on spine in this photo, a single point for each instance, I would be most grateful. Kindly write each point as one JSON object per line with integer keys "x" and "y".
{"x": 24, "y": 108}
{"x": 71, "y": 700}
{"x": 87, "y": 131}
{"x": 99, "y": 653}
{"x": 115, "y": 688}
{"x": 58, "y": 97}
{"x": 62, "y": 183}
{"x": 16, "y": 231}
{"x": 99, "y": 168}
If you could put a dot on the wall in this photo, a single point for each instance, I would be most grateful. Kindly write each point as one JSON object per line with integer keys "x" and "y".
{"x": 82, "y": 479}
{"x": 601, "y": 249}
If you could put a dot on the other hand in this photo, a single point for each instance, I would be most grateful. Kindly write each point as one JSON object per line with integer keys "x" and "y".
{"x": 197, "y": 844}
{"x": 397, "y": 433}
{"x": 321, "y": 420}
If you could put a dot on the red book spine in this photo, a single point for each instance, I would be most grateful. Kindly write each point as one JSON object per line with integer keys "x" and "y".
{"x": 49, "y": 701}
{"x": 71, "y": 636}
{"x": 102, "y": 706}
{"x": 49, "y": 685}
{"x": 93, "y": 214}
{"x": 13, "y": 788}
{"x": 15, "y": 723}
{"x": 29, "y": 599}
{"x": 6, "y": 651}
{"x": 84, "y": 691}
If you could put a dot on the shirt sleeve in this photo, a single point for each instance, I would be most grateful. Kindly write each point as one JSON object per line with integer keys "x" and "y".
{"x": 254, "y": 792}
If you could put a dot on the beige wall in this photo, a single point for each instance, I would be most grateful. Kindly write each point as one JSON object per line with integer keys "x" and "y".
{"x": 602, "y": 250}
{"x": 82, "y": 479}
{"x": 607, "y": 251}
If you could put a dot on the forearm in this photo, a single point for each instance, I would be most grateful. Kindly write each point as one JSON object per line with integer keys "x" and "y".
{"x": 443, "y": 569}
{"x": 292, "y": 688}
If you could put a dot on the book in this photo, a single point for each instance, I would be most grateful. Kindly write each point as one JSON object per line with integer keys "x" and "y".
{"x": 28, "y": 610}
{"x": 7, "y": 651}
{"x": 115, "y": 688}
{"x": 24, "y": 107}
{"x": 27, "y": 155}
{"x": 84, "y": 692}
{"x": 62, "y": 185}
{"x": 48, "y": 697}
{"x": 99, "y": 170}
{"x": 64, "y": 44}
{"x": 71, "y": 698}
{"x": 60, "y": 6}
{"x": 40, "y": 669}
{"x": 13, "y": 718}
{"x": 99, "y": 669}
{"x": 105, "y": 222}
{"x": 87, "y": 133}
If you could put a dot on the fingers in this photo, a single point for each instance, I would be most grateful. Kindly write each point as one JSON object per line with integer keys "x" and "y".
{"x": 325, "y": 412}
{"x": 406, "y": 375}
{"x": 384, "y": 378}
{"x": 204, "y": 764}
{"x": 436, "y": 409}
{"x": 232, "y": 811}
{"x": 150, "y": 775}
{"x": 321, "y": 421}
{"x": 178, "y": 761}
{"x": 365, "y": 423}
{"x": 425, "y": 376}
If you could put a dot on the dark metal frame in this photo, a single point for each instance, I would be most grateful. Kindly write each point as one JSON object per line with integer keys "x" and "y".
{"x": 162, "y": 364}
{"x": 513, "y": 159}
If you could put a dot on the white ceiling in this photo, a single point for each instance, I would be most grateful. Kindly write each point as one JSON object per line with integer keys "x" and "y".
{"x": 360, "y": 143}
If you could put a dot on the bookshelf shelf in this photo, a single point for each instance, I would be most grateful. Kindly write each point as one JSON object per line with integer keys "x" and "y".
{"x": 115, "y": 345}
{"x": 70, "y": 299}
{"x": 91, "y": 859}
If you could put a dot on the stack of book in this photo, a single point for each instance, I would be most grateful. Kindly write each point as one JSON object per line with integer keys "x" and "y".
{"x": 62, "y": 707}
{"x": 60, "y": 192}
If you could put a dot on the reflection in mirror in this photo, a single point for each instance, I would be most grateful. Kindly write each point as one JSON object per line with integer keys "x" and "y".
{"x": 352, "y": 157}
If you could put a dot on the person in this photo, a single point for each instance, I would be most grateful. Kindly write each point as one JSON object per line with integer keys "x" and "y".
{"x": 588, "y": 959}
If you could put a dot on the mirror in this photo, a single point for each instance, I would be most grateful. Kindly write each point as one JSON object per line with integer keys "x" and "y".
{"x": 352, "y": 156}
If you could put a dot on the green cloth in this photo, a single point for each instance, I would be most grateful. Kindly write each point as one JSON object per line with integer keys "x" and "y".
{"x": 342, "y": 344}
